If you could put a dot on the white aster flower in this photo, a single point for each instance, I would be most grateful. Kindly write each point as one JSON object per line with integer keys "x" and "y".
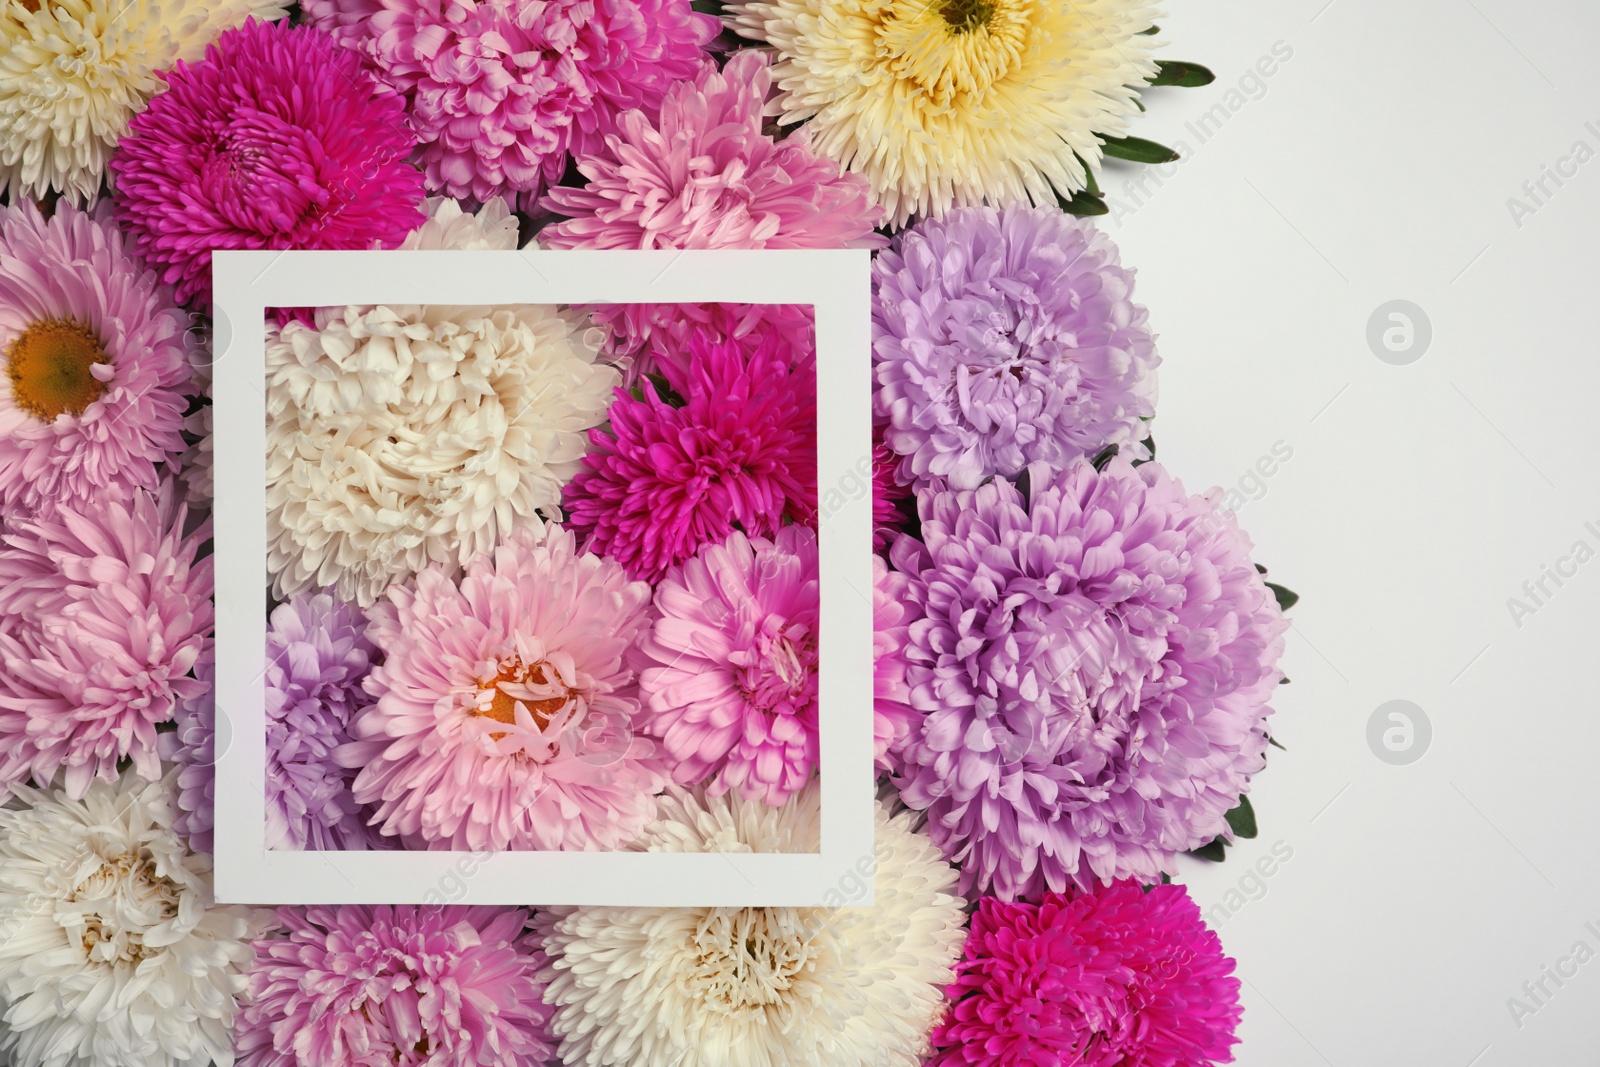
{"x": 73, "y": 72}
{"x": 408, "y": 435}
{"x": 492, "y": 226}
{"x": 112, "y": 953}
{"x": 759, "y": 987}
{"x": 944, "y": 102}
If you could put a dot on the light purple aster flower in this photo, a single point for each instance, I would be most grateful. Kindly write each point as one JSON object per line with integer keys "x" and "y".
{"x": 318, "y": 656}
{"x": 1003, "y": 338}
{"x": 192, "y": 745}
{"x": 1093, "y": 661}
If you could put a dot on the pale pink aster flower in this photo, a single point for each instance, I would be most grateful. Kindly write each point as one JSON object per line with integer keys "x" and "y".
{"x": 93, "y": 379}
{"x": 106, "y": 613}
{"x": 499, "y": 90}
{"x": 706, "y": 176}
{"x": 732, "y": 682}
{"x": 505, "y": 709}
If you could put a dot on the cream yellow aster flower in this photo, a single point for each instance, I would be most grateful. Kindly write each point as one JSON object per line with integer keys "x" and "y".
{"x": 73, "y": 72}
{"x": 954, "y": 102}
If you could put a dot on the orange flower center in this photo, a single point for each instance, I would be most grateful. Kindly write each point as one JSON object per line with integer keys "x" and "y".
{"x": 503, "y": 708}
{"x": 49, "y": 367}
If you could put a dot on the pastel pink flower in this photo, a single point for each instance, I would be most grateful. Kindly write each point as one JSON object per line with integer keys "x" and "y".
{"x": 93, "y": 374}
{"x": 731, "y": 685}
{"x": 499, "y": 90}
{"x": 396, "y": 986}
{"x": 104, "y": 612}
{"x": 705, "y": 176}
{"x": 893, "y": 612}
{"x": 505, "y": 714}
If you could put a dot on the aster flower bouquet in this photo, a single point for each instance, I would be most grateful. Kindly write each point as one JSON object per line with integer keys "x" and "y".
{"x": 546, "y": 578}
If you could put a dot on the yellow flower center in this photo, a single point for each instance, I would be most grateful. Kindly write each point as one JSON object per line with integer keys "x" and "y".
{"x": 503, "y": 706}
{"x": 49, "y": 365}
{"x": 956, "y": 48}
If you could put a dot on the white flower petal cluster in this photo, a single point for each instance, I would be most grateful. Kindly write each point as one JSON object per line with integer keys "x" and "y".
{"x": 759, "y": 987}
{"x": 112, "y": 953}
{"x": 408, "y": 435}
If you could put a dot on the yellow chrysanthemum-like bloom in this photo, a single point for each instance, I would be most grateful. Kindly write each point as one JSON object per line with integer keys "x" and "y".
{"x": 947, "y": 102}
{"x": 73, "y": 72}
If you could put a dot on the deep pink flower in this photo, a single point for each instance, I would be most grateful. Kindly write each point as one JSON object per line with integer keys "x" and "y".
{"x": 277, "y": 139}
{"x": 733, "y": 445}
{"x": 706, "y": 176}
{"x": 1121, "y": 977}
{"x": 506, "y": 714}
{"x": 888, "y": 494}
{"x": 396, "y": 986}
{"x": 95, "y": 378}
{"x": 648, "y": 337}
{"x": 105, "y": 612}
{"x": 500, "y": 90}
{"x": 729, "y": 673}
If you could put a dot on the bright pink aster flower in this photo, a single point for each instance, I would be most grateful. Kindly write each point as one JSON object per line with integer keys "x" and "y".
{"x": 1121, "y": 977}
{"x": 95, "y": 377}
{"x": 705, "y": 176}
{"x": 505, "y": 711}
{"x": 396, "y": 986}
{"x": 277, "y": 139}
{"x": 893, "y": 612}
{"x": 888, "y": 492}
{"x": 106, "y": 611}
{"x": 732, "y": 445}
{"x": 500, "y": 90}
{"x": 732, "y": 678}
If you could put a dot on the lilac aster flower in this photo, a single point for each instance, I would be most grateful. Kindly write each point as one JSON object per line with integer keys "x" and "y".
{"x": 1093, "y": 662}
{"x": 1002, "y": 338}
{"x": 318, "y": 656}
{"x": 192, "y": 745}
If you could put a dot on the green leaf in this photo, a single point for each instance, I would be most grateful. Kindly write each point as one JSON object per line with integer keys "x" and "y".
{"x": 1216, "y": 851}
{"x": 1260, "y": 569}
{"x": 1092, "y": 187}
{"x": 1286, "y": 598}
{"x": 1104, "y": 456}
{"x": 1138, "y": 150}
{"x": 707, "y": 7}
{"x": 1284, "y": 681}
{"x": 170, "y": 726}
{"x": 123, "y": 764}
{"x": 1242, "y": 820}
{"x": 1151, "y": 32}
{"x": 1186, "y": 75}
{"x": 1273, "y": 741}
{"x": 1083, "y": 203}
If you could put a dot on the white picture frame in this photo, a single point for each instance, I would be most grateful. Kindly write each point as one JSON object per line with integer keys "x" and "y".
{"x": 836, "y": 284}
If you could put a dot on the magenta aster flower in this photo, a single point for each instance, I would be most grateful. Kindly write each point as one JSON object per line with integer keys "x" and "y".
{"x": 705, "y": 176}
{"x": 731, "y": 685}
{"x": 500, "y": 90}
{"x": 275, "y": 140}
{"x": 506, "y": 714}
{"x": 1002, "y": 338}
{"x": 893, "y": 717}
{"x": 318, "y": 657}
{"x": 106, "y": 611}
{"x": 733, "y": 446}
{"x": 1120, "y": 977}
{"x": 96, "y": 379}
{"x": 888, "y": 493}
{"x": 1093, "y": 663}
{"x": 396, "y": 986}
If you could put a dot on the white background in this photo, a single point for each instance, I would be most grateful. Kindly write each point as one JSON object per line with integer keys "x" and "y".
{"x": 1377, "y": 165}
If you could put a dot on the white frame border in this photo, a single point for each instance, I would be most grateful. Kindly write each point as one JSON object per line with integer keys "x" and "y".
{"x": 836, "y": 284}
